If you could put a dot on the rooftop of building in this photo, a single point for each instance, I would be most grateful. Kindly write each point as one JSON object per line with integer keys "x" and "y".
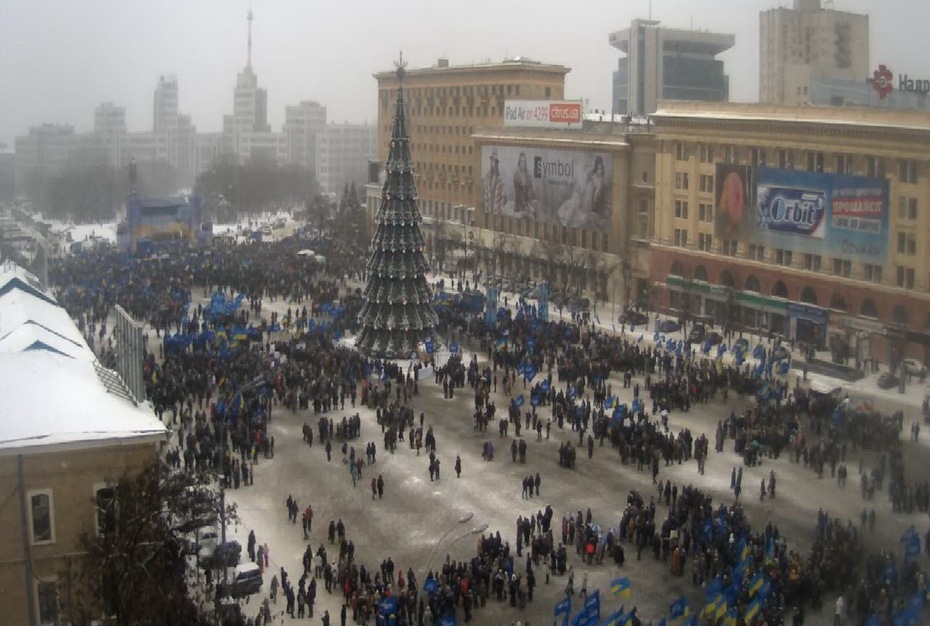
{"x": 861, "y": 117}
{"x": 601, "y": 135}
{"x": 442, "y": 67}
{"x": 54, "y": 394}
{"x": 676, "y": 40}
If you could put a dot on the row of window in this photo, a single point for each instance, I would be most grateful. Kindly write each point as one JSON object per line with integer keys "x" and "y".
{"x": 873, "y": 167}
{"x": 577, "y": 237}
{"x": 904, "y": 276}
{"x": 42, "y": 513}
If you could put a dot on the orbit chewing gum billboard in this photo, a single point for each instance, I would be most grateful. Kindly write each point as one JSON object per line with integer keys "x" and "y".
{"x": 833, "y": 215}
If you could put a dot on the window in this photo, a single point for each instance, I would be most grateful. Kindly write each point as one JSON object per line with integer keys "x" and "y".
{"x": 783, "y": 257}
{"x": 758, "y": 157}
{"x": 786, "y": 159}
{"x": 875, "y": 167}
{"x": 681, "y": 237}
{"x": 873, "y": 273}
{"x": 905, "y": 277}
{"x": 707, "y": 183}
{"x": 40, "y": 509}
{"x": 706, "y": 212}
{"x": 842, "y": 267}
{"x": 907, "y": 171}
{"x": 730, "y": 247}
{"x": 907, "y": 243}
{"x": 681, "y": 152}
{"x": 907, "y": 208}
{"x": 105, "y": 504}
{"x": 681, "y": 209}
{"x": 707, "y": 153}
{"x": 756, "y": 252}
{"x": 844, "y": 163}
{"x": 815, "y": 161}
{"x": 812, "y": 262}
{"x": 729, "y": 154}
{"x": 681, "y": 180}
{"x": 47, "y": 598}
{"x": 705, "y": 242}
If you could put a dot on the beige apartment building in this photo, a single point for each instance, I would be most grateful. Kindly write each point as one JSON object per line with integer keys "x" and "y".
{"x": 445, "y": 105}
{"x": 808, "y": 222}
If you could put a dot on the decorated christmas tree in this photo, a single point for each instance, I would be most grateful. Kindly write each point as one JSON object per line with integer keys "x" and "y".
{"x": 397, "y": 316}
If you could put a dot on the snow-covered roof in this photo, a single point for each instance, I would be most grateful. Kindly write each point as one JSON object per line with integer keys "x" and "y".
{"x": 50, "y": 400}
{"x": 54, "y": 394}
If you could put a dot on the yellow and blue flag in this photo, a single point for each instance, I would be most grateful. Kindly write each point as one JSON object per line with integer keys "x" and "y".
{"x": 731, "y": 618}
{"x": 678, "y": 608}
{"x": 622, "y": 587}
{"x": 711, "y": 607}
{"x": 756, "y": 584}
{"x": 614, "y": 619}
{"x": 754, "y": 608}
{"x": 722, "y": 609}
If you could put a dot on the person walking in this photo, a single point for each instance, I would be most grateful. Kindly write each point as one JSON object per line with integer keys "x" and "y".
{"x": 380, "y": 487}
{"x": 458, "y": 467}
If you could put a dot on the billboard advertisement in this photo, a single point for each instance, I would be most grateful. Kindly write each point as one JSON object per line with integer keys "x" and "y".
{"x": 543, "y": 113}
{"x": 835, "y": 215}
{"x": 566, "y": 187}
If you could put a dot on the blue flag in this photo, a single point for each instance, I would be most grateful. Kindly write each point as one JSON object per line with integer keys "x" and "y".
{"x": 519, "y": 400}
{"x": 678, "y": 608}
{"x": 563, "y": 607}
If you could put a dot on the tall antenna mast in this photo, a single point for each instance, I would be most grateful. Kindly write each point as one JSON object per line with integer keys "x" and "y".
{"x": 249, "y": 59}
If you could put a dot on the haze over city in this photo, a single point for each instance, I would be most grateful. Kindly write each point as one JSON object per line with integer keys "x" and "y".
{"x": 59, "y": 59}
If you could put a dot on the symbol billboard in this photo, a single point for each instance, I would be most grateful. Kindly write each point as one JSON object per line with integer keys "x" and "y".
{"x": 566, "y": 187}
{"x": 836, "y": 215}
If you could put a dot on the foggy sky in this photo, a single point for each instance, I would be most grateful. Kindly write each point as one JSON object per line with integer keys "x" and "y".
{"x": 59, "y": 59}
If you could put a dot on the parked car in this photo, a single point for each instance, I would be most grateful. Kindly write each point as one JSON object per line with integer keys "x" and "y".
{"x": 781, "y": 353}
{"x": 246, "y": 581}
{"x": 669, "y": 326}
{"x": 634, "y": 318}
{"x": 887, "y": 380}
{"x": 207, "y": 537}
{"x": 697, "y": 334}
{"x": 914, "y": 367}
{"x": 713, "y": 337}
{"x": 220, "y": 556}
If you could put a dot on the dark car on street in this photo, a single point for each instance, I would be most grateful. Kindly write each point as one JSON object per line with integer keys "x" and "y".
{"x": 633, "y": 318}
{"x": 669, "y": 326}
{"x": 887, "y": 380}
{"x": 697, "y": 334}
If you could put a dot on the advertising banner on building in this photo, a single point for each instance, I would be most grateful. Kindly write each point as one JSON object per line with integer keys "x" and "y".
{"x": 733, "y": 193}
{"x": 567, "y": 187}
{"x": 564, "y": 114}
{"x": 833, "y": 215}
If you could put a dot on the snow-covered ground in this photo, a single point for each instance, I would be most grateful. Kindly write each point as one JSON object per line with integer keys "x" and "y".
{"x": 417, "y": 521}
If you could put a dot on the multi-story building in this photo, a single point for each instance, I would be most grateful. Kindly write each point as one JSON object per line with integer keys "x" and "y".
{"x": 342, "y": 153}
{"x": 146, "y": 147}
{"x": 808, "y": 222}
{"x": 667, "y": 64}
{"x": 208, "y": 148}
{"x": 110, "y": 125}
{"x": 569, "y": 207}
{"x": 165, "y": 104}
{"x": 800, "y": 45}
{"x": 43, "y": 153}
{"x": 59, "y": 451}
{"x": 302, "y": 124}
{"x": 445, "y": 104}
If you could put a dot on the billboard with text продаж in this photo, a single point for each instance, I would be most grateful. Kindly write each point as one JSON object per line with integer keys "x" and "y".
{"x": 835, "y": 215}
{"x": 570, "y": 188}
{"x": 543, "y": 113}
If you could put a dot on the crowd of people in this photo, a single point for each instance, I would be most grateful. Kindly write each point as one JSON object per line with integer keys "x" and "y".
{"x": 219, "y": 397}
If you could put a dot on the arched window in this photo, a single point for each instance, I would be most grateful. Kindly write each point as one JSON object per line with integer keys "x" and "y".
{"x": 726, "y": 279}
{"x": 752, "y": 284}
{"x": 676, "y": 269}
{"x": 838, "y": 302}
{"x": 700, "y": 273}
{"x": 899, "y": 315}
{"x": 809, "y": 296}
{"x": 868, "y": 308}
{"x": 779, "y": 289}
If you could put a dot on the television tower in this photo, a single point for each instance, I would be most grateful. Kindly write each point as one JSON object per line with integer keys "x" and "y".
{"x": 249, "y": 58}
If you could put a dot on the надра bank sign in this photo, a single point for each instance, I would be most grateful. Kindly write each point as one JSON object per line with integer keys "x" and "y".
{"x": 834, "y": 215}
{"x": 543, "y": 113}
